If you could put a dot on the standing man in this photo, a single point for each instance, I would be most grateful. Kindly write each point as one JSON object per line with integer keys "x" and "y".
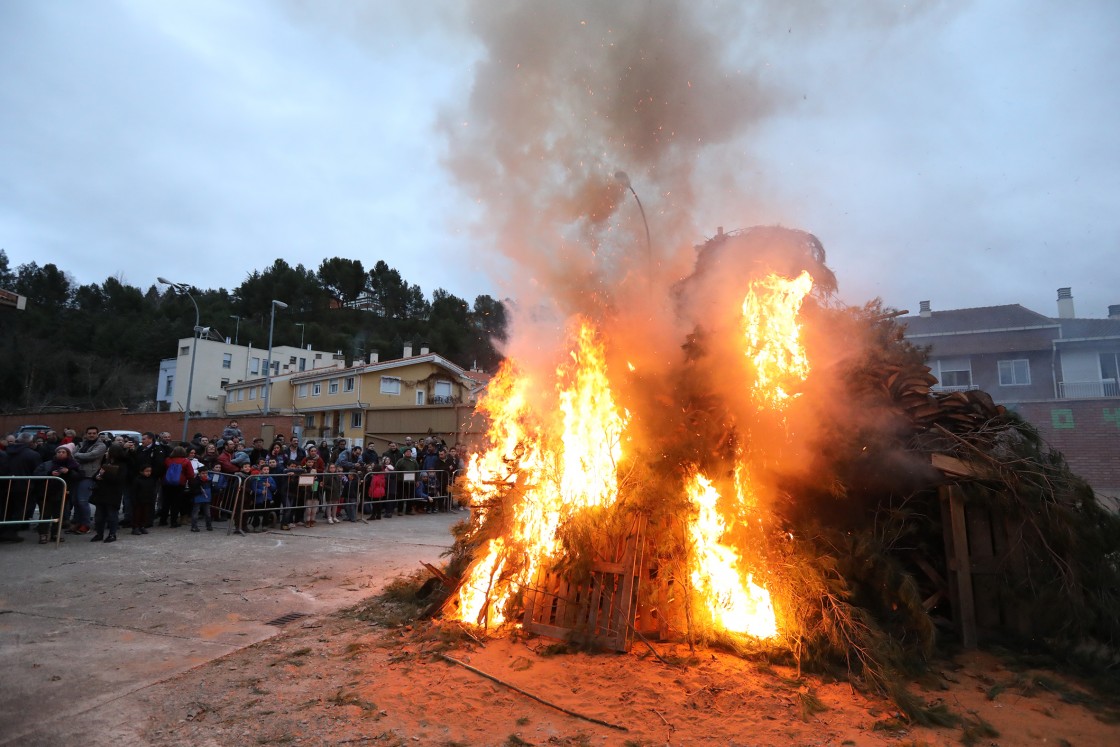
{"x": 89, "y": 454}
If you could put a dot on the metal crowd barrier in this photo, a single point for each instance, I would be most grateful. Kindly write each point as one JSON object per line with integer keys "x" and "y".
{"x": 407, "y": 490}
{"x": 27, "y": 501}
{"x": 300, "y": 498}
{"x": 287, "y": 498}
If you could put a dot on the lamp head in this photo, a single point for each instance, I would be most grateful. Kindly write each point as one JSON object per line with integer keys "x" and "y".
{"x": 164, "y": 281}
{"x": 279, "y": 304}
{"x": 622, "y": 178}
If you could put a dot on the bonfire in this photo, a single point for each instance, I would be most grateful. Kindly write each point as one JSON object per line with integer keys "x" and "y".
{"x": 770, "y": 491}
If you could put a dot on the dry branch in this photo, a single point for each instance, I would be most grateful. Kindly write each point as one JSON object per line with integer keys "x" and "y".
{"x": 530, "y": 695}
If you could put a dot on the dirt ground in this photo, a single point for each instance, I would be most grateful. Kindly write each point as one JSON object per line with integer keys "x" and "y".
{"x": 345, "y": 679}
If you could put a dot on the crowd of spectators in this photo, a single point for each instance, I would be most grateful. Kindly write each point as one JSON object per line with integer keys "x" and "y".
{"x": 114, "y": 483}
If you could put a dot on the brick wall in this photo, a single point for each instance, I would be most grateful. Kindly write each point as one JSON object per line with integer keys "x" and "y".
{"x": 1087, "y": 432}
{"x": 172, "y": 422}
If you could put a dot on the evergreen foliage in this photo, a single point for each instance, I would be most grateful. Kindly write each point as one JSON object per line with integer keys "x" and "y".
{"x": 99, "y": 345}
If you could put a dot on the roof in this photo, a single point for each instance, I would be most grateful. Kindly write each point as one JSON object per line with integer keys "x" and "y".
{"x": 1081, "y": 329}
{"x": 982, "y": 319}
{"x": 326, "y": 373}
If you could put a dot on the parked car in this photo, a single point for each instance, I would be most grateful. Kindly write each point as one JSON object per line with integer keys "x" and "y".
{"x": 32, "y": 429}
{"x": 112, "y": 433}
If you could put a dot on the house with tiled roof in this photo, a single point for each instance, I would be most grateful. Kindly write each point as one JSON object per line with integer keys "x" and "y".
{"x": 1059, "y": 373}
{"x": 1018, "y": 355}
{"x": 372, "y": 401}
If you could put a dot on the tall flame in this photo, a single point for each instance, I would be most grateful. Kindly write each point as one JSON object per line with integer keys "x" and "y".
{"x": 548, "y": 465}
{"x": 773, "y": 336}
{"x": 735, "y": 604}
{"x": 559, "y": 474}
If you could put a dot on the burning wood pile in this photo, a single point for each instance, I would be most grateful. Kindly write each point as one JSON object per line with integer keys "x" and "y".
{"x": 768, "y": 489}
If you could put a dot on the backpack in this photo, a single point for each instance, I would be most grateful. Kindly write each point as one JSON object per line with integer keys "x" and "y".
{"x": 174, "y": 474}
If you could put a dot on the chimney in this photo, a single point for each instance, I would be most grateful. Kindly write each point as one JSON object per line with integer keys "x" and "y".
{"x": 924, "y": 309}
{"x": 373, "y": 357}
{"x": 1114, "y": 311}
{"x": 423, "y": 348}
{"x": 1065, "y": 303}
{"x": 407, "y": 350}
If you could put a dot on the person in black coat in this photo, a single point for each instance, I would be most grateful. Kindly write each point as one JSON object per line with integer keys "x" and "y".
{"x": 50, "y": 507}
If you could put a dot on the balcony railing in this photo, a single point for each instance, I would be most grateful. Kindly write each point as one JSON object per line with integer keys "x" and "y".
{"x": 961, "y": 388}
{"x": 1088, "y": 389}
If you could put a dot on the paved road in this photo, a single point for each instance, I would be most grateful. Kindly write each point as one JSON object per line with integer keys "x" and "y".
{"x": 85, "y": 625}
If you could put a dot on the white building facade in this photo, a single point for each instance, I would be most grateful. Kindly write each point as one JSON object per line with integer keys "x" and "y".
{"x": 220, "y": 363}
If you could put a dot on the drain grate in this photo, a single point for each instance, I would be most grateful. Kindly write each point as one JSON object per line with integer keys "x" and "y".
{"x": 285, "y": 619}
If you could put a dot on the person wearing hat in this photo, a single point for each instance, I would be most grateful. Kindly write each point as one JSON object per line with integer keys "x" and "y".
{"x": 63, "y": 466}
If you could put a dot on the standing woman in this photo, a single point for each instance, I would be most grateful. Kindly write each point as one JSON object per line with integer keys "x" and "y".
{"x": 65, "y": 466}
{"x": 110, "y": 481}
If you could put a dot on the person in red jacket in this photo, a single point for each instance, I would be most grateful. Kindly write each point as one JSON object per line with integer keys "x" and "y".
{"x": 177, "y": 471}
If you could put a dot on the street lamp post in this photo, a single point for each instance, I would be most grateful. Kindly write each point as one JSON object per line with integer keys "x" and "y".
{"x": 236, "y": 327}
{"x": 268, "y": 367}
{"x": 624, "y": 179}
{"x": 185, "y": 289}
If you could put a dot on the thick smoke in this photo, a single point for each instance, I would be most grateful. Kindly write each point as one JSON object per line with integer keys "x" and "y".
{"x": 569, "y": 94}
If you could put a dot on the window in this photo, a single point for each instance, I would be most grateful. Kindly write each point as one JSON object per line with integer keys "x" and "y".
{"x": 227, "y": 360}
{"x": 302, "y": 364}
{"x": 254, "y": 365}
{"x": 309, "y": 421}
{"x": 253, "y": 393}
{"x": 419, "y": 396}
{"x": 390, "y": 385}
{"x": 953, "y": 374}
{"x": 1015, "y": 372}
{"x": 292, "y": 361}
{"x": 356, "y": 419}
{"x": 185, "y": 350}
{"x": 224, "y": 383}
{"x": 348, "y": 384}
{"x": 332, "y": 386}
{"x": 169, "y": 386}
{"x": 316, "y": 389}
{"x": 302, "y": 390}
{"x": 318, "y": 356}
{"x": 240, "y": 395}
{"x": 441, "y": 394}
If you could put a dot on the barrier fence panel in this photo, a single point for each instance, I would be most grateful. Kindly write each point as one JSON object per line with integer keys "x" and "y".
{"x": 398, "y": 492}
{"x": 37, "y": 502}
{"x": 225, "y": 495}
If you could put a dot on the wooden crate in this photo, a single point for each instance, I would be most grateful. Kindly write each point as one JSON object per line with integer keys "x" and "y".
{"x": 599, "y": 610}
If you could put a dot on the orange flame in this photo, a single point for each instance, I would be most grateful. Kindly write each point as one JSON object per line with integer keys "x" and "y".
{"x": 559, "y": 474}
{"x": 548, "y": 464}
{"x": 773, "y": 336}
{"x": 735, "y": 604}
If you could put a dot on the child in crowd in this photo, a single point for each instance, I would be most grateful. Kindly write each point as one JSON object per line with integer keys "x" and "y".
{"x": 378, "y": 489}
{"x": 144, "y": 489}
{"x": 239, "y": 519}
{"x": 330, "y": 489}
{"x": 263, "y": 488}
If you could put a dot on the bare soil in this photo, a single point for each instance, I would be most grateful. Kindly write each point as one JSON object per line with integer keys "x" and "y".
{"x": 346, "y": 679}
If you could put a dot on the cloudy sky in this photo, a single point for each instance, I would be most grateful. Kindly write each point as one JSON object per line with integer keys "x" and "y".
{"x": 964, "y": 153}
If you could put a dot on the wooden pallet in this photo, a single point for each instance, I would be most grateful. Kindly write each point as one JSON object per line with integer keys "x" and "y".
{"x": 981, "y": 553}
{"x": 599, "y": 610}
